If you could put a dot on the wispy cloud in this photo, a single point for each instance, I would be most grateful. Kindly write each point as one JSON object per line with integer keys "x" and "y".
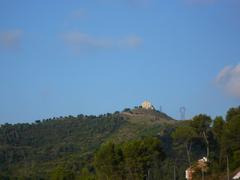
{"x": 229, "y": 80}
{"x": 78, "y": 14}
{"x": 133, "y": 3}
{"x": 140, "y": 3}
{"x": 201, "y": 2}
{"x": 131, "y": 41}
{"x": 80, "y": 41}
{"x": 10, "y": 40}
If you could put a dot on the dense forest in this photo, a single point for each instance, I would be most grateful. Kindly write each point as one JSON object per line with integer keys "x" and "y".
{"x": 133, "y": 144}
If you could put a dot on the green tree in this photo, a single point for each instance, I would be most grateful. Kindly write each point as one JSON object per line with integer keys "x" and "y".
{"x": 109, "y": 162}
{"x": 139, "y": 157}
{"x": 201, "y": 123}
{"x": 231, "y": 141}
{"x": 217, "y": 128}
{"x": 232, "y": 112}
{"x": 62, "y": 173}
{"x": 86, "y": 175}
{"x": 130, "y": 160}
{"x": 184, "y": 135}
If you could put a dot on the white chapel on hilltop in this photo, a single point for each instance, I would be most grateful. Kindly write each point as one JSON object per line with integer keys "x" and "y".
{"x": 147, "y": 105}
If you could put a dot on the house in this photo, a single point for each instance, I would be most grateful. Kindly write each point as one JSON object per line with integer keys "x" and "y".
{"x": 237, "y": 176}
{"x": 200, "y": 165}
{"x": 189, "y": 173}
{"x": 147, "y": 105}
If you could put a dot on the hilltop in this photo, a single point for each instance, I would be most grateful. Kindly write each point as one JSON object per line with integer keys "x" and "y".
{"x": 142, "y": 122}
{"x": 140, "y": 115}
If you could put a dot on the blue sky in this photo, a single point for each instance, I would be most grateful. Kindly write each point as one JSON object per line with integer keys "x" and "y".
{"x": 67, "y": 57}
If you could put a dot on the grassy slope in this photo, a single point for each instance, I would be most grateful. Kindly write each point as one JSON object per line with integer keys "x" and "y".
{"x": 141, "y": 122}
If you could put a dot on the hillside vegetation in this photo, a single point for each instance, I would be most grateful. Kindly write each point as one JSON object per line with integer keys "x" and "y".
{"x": 132, "y": 144}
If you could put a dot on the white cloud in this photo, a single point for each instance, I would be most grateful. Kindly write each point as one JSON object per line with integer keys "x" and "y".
{"x": 229, "y": 80}
{"x": 81, "y": 41}
{"x": 10, "y": 39}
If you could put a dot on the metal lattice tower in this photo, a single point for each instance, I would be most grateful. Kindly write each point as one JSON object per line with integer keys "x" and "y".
{"x": 182, "y": 112}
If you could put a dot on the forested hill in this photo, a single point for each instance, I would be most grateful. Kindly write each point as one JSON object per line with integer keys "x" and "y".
{"x": 36, "y": 149}
{"x": 134, "y": 144}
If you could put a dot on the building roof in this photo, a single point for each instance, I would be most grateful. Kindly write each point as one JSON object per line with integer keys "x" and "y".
{"x": 237, "y": 176}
